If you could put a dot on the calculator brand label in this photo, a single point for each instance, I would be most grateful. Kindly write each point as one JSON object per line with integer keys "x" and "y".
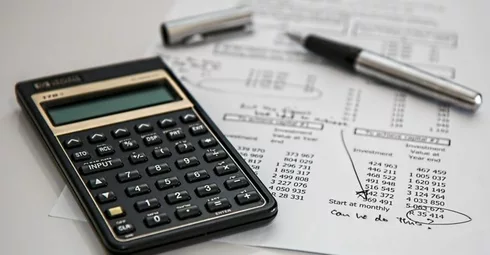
{"x": 58, "y": 82}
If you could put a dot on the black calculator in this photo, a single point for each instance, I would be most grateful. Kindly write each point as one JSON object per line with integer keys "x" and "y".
{"x": 147, "y": 165}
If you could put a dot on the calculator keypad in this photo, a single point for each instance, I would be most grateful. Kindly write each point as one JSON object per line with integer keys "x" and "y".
{"x": 225, "y": 169}
{"x": 207, "y": 190}
{"x": 80, "y": 156}
{"x": 97, "y": 183}
{"x": 215, "y": 155}
{"x": 188, "y": 118}
{"x": 168, "y": 183}
{"x": 128, "y": 145}
{"x": 185, "y": 147}
{"x": 125, "y": 228}
{"x": 218, "y": 205}
{"x": 188, "y": 212}
{"x": 148, "y": 204}
{"x": 207, "y": 142}
{"x": 159, "y": 172}
{"x": 246, "y": 198}
{"x": 175, "y": 134}
{"x": 159, "y": 153}
{"x": 105, "y": 150}
{"x": 106, "y": 197}
{"x": 187, "y": 162}
{"x": 101, "y": 166}
{"x": 128, "y": 176}
{"x": 166, "y": 123}
{"x": 120, "y": 132}
{"x": 72, "y": 142}
{"x": 197, "y": 130}
{"x": 137, "y": 190}
{"x": 158, "y": 169}
{"x": 157, "y": 220}
{"x": 115, "y": 212}
{"x": 236, "y": 183}
{"x": 196, "y": 176}
{"x": 137, "y": 158}
{"x": 177, "y": 197}
{"x": 143, "y": 127}
{"x": 96, "y": 138}
{"x": 152, "y": 140}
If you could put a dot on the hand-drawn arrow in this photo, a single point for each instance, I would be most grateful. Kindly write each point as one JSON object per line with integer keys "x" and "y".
{"x": 362, "y": 193}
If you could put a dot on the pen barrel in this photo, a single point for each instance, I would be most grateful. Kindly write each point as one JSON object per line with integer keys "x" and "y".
{"x": 417, "y": 81}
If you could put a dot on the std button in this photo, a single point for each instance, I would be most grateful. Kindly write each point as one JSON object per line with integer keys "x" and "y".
{"x": 97, "y": 183}
{"x": 157, "y": 220}
{"x": 123, "y": 229}
{"x": 72, "y": 143}
{"x": 105, "y": 150}
{"x": 80, "y": 156}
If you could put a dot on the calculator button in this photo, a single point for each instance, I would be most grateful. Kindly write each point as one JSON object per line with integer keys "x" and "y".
{"x": 156, "y": 220}
{"x": 207, "y": 142}
{"x": 96, "y": 138}
{"x": 158, "y": 169}
{"x": 143, "y": 127}
{"x": 185, "y": 147}
{"x": 106, "y": 197}
{"x": 128, "y": 145}
{"x": 187, "y": 162}
{"x": 161, "y": 153}
{"x": 104, "y": 150}
{"x": 187, "y": 212}
{"x": 207, "y": 190}
{"x": 80, "y": 156}
{"x": 136, "y": 158}
{"x": 196, "y": 176}
{"x": 247, "y": 198}
{"x": 115, "y": 212}
{"x": 72, "y": 143}
{"x": 128, "y": 176}
{"x": 147, "y": 204}
{"x": 166, "y": 123}
{"x": 225, "y": 169}
{"x": 97, "y": 183}
{"x": 177, "y": 197}
{"x": 215, "y": 155}
{"x": 236, "y": 183}
{"x": 101, "y": 166}
{"x": 120, "y": 132}
{"x": 137, "y": 190}
{"x": 152, "y": 140}
{"x": 188, "y": 118}
{"x": 218, "y": 205}
{"x": 123, "y": 229}
{"x": 167, "y": 183}
{"x": 198, "y": 129}
{"x": 175, "y": 134}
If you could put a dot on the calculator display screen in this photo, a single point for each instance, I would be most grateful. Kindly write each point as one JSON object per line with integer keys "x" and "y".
{"x": 116, "y": 102}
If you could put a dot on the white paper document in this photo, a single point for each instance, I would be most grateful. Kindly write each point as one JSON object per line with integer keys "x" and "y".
{"x": 356, "y": 167}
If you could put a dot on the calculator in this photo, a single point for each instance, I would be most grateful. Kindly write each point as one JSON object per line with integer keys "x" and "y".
{"x": 147, "y": 165}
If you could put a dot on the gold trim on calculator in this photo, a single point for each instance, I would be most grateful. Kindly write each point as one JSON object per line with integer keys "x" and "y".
{"x": 126, "y": 81}
{"x": 115, "y": 83}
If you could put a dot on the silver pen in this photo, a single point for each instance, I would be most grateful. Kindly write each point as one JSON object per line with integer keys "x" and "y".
{"x": 391, "y": 71}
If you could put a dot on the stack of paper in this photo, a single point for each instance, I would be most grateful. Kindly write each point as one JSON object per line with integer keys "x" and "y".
{"x": 356, "y": 167}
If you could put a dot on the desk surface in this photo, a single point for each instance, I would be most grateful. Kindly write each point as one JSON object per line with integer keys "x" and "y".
{"x": 45, "y": 37}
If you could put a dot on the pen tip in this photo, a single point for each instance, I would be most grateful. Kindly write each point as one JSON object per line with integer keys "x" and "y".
{"x": 295, "y": 36}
